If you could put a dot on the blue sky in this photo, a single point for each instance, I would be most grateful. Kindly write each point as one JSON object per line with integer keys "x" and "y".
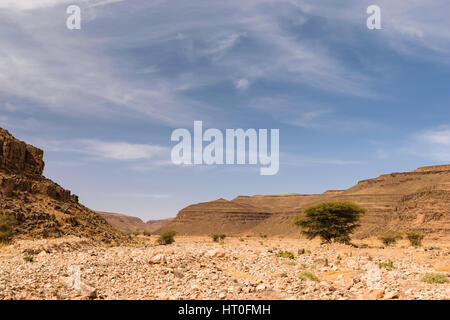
{"x": 102, "y": 102}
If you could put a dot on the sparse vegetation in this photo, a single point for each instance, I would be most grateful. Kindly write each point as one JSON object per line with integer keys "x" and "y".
{"x": 263, "y": 235}
{"x": 387, "y": 264}
{"x": 433, "y": 278}
{"x": 28, "y": 258}
{"x": 290, "y": 263}
{"x": 361, "y": 271}
{"x": 147, "y": 234}
{"x": 218, "y": 237}
{"x": 285, "y": 254}
{"x": 415, "y": 238}
{"x": 167, "y": 237}
{"x": 390, "y": 238}
{"x": 7, "y": 224}
{"x": 305, "y": 275}
{"x": 331, "y": 221}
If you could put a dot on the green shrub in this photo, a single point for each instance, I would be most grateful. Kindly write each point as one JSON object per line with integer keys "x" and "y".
{"x": 387, "y": 264}
{"x": 146, "y": 233}
{"x": 285, "y": 254}
{"x": 28, "y": 258}
{"x": 390, "y": 237}
{"x": 305, "y": 275}
{"x": 435, "y": 278}
{"x": 7, "y": 224}
{"x": 415, "y": 238}
{"x": 167, "y": 237}
{"x": 218, "y": 237}
{"x": 290, "y": 263}
{"x": 331, "y": 221}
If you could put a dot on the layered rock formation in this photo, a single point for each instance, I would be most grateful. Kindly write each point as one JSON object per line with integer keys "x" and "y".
{"x": 418, "y": 200}
{"x": 217, "y": 216}
{"x": 41, "y": 207}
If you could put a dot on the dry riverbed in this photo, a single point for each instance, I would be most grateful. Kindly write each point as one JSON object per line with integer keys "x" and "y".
{"x": 239, "y": 268}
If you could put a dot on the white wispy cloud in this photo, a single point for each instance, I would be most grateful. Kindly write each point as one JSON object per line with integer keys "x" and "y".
{"x": 433, "y": 144}
{"x": 40, "y": 4}
{"x": 242, "y": 84}
{"x": 67, "y": 71}
{"x": 296, "y": 160}
{"x": 120, "y": 150}
{"x": 98, "y": 150}
{"x": 144, "y": 195}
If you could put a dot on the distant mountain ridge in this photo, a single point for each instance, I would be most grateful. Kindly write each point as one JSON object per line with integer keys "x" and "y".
{"x": 130, "y": 224}
{"x": 418, "y": 199}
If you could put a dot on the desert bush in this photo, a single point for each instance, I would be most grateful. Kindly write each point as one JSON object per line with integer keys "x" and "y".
{"x": 28, "y": 258}
{"x": 167, "y": 237}
{"x": 387, "y": 264}
{"x": 146, "y": 233}
{"x": 331, "y": 221}
{"x": 218, "y": 237}
{"x": 263, "y": 235}
{"x": 435, "y": 278}
{"x": 414, "y": 238}
{"x": 7, "y": 224}
{"x": 285, "y": 254}
{"x": 305, "y": 275}
{"x": 390, "y": 237}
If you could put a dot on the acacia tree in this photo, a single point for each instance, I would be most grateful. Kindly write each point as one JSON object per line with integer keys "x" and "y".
{"x": 330, "y": 221}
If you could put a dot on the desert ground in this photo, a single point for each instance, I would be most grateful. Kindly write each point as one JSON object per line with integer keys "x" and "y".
{"x": 237, "y": 268}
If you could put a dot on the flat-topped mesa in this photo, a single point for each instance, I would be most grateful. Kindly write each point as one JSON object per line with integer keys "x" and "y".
{"x": 17, "y": 157}
{"x": 217, "y": 216}
{"x": 444, "y": 167}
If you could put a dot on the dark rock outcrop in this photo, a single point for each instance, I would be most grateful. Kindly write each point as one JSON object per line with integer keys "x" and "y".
{"x": 42, "y": 208}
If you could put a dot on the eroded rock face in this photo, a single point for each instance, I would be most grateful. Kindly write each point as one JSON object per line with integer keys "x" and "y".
{"x": 18, "y": 157}
{"x": 42, "y": 208}
{"x": 217, "y": 216}
{"x": 418, "y": 199}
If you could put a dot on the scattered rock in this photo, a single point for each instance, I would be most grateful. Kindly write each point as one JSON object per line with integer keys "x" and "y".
{"x": 216, "y": 253}
{"x": 87, "y": 291}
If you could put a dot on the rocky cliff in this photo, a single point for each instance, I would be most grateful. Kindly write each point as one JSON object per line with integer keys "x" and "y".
{"x": 41, "y": 207}
{"x": 418, "y": 200}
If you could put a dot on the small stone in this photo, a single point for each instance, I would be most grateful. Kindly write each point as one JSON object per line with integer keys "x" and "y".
{"x": 159, "y": 258}
{"x": 261, "y": 287}
{"x": 216, "y": 253}
{"x": 88, "y": 291}
{"x": 376, "y": 294}
{"x": 392, "y": 295}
